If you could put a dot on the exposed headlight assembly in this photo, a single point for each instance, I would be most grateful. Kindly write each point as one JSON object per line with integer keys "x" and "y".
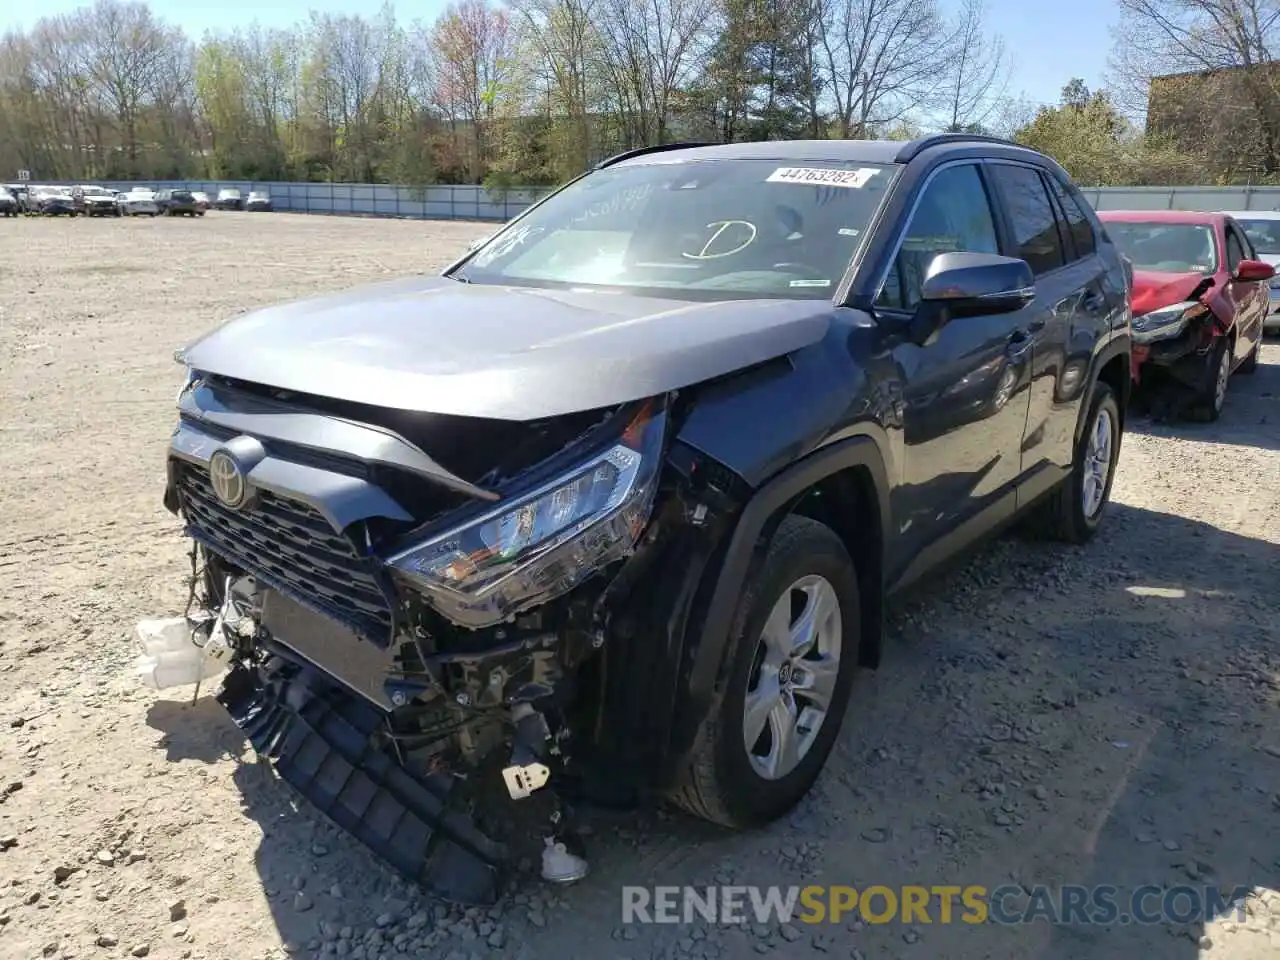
{"x": 1166, "y": 323}
{"x": 188, "y": 374}
{"x": 539, "y": 546}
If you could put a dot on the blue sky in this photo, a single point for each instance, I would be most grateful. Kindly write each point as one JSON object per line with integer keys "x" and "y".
{"x": 1050, "y": 42}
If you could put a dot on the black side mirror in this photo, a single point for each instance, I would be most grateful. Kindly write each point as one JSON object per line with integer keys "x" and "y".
{"x": 970, "y": 284}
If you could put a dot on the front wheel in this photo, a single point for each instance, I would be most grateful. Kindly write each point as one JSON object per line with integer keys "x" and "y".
{"x": 795, "y": 652}
{"x": 1212, "y": 395}
{"x": 1074, "y": 511}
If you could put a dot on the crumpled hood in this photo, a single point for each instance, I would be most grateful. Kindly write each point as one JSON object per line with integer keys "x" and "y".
{"x": 435, "y": 345}
{"x": 1153, "y": 290}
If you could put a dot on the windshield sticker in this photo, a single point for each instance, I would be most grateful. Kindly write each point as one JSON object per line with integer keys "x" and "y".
{"x": 847, "y": 232}
{"x": 810, "y": 283}
{"x": 823, "y": 177}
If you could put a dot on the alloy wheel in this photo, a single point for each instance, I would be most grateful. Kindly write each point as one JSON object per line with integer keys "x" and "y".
{"x": 1097, "y": 463}
{"x": 793, "y": 678}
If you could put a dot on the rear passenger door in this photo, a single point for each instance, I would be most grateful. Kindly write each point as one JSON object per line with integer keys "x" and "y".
{"x": 1046, "y": 225}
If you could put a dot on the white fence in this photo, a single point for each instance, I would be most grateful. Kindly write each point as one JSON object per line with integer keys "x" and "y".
{"x": 464, "y": 202}
{"x": 476, "y": 203}
{"x": 1183, "y": 198}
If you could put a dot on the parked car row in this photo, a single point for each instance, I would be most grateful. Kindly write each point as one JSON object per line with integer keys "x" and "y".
{"x": 232, "y": 199}
{"x": 139, "y": 201}
{"x": 1204, "y": 293}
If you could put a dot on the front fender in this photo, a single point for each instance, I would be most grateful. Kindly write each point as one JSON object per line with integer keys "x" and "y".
{"x": 710, "y": 642}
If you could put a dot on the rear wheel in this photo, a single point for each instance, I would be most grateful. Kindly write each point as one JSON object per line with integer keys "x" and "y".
{"x": 1074, "y": 511}
{"x": 794, "y": 657}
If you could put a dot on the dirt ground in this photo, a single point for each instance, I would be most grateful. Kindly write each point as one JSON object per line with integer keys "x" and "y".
{"x": 1044, "y": 716}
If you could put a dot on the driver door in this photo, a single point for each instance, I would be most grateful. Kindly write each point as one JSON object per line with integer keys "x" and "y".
{"x": 965, "y": 394}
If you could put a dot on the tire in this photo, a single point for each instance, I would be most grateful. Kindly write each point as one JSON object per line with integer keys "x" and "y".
{"x": 1250, "y": 363}
{"x": 1212, "y": 394}
{"x": 1065, "y": 515}
{"x": 723, "y": 782}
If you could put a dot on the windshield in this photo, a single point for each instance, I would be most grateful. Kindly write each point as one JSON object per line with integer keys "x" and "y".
{"x": 1166, "y": 247}
{"x": 1263, "y": 234}
{"x": 228, "y": 193}
{"x": 693, "y": 230}
{"x": 95, "y": 192}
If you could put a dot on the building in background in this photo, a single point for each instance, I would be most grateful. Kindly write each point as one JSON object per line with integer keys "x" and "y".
{"x": 1229, "y": 117}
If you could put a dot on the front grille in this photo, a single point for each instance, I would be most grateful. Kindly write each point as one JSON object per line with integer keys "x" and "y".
{"x": 290, "y": 546}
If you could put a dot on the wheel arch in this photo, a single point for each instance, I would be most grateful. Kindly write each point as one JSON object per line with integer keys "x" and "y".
{"x": 1112, "y": 366}
{"x": 850, "y": 468}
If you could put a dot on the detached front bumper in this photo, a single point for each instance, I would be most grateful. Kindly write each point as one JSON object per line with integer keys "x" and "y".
{"x": 1174, "y": 350}
{"x": 321, "y": 741}
{"x": 354, "y": 714}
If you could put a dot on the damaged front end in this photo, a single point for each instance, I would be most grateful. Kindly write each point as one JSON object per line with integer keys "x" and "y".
{"x": 1172, "y": 344}
{"x": 404, "y": 640}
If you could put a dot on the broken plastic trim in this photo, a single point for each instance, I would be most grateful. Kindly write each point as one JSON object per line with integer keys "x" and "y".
{"x": 320, "y": 740}
{"x": 243, "y": 413}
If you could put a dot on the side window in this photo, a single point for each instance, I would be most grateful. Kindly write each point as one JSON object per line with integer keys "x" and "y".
{"x": 1235, "y": 252}
{"x": 953, "y": 216}
{"x": 1035, "y": 227}
{"x": 1246, "y": 245}
{"x": 1078, "y": 226}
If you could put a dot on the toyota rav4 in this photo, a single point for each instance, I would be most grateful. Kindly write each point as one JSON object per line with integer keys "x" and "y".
{"x": 611, "y": 507}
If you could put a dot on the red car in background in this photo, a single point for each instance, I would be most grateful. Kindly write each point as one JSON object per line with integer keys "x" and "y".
{"x": 1200, "y": 297}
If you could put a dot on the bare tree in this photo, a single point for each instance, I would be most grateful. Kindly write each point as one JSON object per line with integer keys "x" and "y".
{"x": 123, "y": 61}
{"x": 562, "y": 34}
{"x": 979, "y": 71}
{"x": 472, "y": 44}
{"x": 652, "y": 49}
{"x": 880, "y": 60}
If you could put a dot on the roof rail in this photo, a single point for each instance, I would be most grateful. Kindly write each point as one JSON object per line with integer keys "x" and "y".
{"x": 655, "y": 148}
{"x": 914, "y": 148}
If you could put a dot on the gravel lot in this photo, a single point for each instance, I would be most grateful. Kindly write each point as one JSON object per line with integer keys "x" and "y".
{"x": 1045, "y": 716}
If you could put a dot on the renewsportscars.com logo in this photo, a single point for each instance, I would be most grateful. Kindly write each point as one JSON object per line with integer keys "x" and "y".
{"x": 1101, "y": 905}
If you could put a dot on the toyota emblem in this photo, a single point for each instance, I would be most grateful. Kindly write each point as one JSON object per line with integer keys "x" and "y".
{"x": 227, "y": 479}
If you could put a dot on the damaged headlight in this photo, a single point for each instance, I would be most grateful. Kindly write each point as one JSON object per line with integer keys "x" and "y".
{"x": 542, "y": 544}
{"x": 1167, "y": 322}
{"x": 188, "y": 375}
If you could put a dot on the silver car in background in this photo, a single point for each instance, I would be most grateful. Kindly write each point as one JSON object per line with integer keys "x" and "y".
{"x": 138, "y": 203}
{"x": 1262, "y": 227}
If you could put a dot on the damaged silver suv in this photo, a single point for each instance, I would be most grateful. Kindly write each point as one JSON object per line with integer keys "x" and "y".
{"x": 610, "y": 509}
